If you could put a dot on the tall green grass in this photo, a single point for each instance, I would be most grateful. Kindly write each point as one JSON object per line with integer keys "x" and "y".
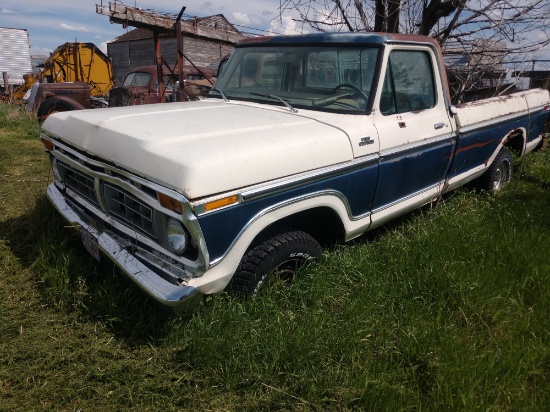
{"x": 444, "y": 309}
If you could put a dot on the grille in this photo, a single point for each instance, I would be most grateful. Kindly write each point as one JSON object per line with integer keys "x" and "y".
{"x": 128, "y": 209}
{"x": 79, "y": 182}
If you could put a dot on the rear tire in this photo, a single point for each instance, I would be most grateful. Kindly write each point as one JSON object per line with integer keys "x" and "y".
{"x": 498, "y": 174}
{"x": 52, "y": 105}
{"x": 275, "y": 260}
{"x": 119, "y": 97}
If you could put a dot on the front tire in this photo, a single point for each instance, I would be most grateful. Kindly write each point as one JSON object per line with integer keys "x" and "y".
{"x": 498, "y": 174}
{"x": 53, "y": 105}
{"x": 275, "y": 260}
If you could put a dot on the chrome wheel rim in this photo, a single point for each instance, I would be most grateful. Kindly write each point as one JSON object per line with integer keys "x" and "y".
{"x": 501, "y": 175}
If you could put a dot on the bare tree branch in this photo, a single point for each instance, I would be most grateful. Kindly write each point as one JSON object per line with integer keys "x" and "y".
{"x": 471, "y": 28}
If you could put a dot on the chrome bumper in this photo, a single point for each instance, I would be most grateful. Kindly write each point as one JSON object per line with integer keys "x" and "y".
{"x": 158, "y": 288}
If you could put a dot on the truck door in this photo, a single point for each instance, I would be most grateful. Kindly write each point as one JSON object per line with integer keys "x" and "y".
{"x": 415, "y": 133}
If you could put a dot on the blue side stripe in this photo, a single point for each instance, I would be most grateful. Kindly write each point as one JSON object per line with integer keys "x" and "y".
{"x": 221, "y": 228}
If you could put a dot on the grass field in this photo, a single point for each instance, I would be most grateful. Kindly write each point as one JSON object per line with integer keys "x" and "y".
{"x": 447, "y": 308}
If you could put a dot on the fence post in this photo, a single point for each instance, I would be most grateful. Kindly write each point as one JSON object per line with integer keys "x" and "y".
{"x": 7, "y": 87}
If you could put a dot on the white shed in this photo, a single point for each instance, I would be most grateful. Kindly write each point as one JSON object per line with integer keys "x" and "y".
{"x": 15, "y": 54}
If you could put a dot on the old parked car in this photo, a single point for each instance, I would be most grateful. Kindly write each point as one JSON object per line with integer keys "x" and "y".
{"x": 141, "y": 86}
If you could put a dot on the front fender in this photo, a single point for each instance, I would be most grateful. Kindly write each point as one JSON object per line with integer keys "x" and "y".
{"x": 222, "y": 269}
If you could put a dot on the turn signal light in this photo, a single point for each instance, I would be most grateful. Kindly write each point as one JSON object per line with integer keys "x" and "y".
{"x": 216, "y": 204}
{"x": 47, "y": 144}
{"x": 169, "y": 203}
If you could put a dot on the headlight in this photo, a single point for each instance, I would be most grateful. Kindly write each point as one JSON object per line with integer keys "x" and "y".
{"x": 56, "y": 173}
{"x": 176, "y": 236}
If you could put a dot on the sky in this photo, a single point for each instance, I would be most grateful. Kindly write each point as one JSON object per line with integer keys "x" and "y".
{"x": 51, "y": 23}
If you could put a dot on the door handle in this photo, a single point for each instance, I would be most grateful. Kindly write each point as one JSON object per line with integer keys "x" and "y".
{"x": 439, "y": 126}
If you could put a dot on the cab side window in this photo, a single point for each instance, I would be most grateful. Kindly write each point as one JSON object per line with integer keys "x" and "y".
{"x": 408, "y": 83}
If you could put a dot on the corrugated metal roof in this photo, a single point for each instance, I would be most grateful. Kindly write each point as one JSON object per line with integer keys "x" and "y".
{"x": 15, "y": 54}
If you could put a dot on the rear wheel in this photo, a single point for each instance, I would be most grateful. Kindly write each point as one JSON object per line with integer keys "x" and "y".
{"x": 52, "y": 105}
{"x": 498, "y": 174}
{"x": 120, "y": 97}
{"x": 272, "y": 262}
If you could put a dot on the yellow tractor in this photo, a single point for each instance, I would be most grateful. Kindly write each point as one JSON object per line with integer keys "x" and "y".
{"x": 81, "y": 65}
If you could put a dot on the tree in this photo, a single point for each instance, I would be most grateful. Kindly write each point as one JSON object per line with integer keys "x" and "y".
{"x": 467, "y": 27}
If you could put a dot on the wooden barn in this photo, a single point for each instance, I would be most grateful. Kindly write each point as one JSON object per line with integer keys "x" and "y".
{"x": 205, "y": 41}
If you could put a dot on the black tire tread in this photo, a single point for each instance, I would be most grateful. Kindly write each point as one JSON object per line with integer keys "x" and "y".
{"x": 245, "y": 277}
{"x": 485, "y": 181}
{"x": 48, "y": 107}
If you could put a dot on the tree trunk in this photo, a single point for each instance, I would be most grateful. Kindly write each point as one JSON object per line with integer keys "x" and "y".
{"x": 380, "y": 16}
{"x": 393, "y": 16}
{"x": 433, "y": 12}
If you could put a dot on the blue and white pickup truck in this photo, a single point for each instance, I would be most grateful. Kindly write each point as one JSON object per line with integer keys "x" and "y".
{"x": 303, "y": 140}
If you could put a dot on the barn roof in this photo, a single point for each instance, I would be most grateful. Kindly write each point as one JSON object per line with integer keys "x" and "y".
{"x": 217, "y": 22}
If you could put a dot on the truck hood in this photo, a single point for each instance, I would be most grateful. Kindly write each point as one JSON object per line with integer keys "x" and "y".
{"x": 205, "y": 147}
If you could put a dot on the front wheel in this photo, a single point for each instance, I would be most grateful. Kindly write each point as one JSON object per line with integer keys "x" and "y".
{"x": 273, "y": 261}
{"x": 499, "y": 173}
{"x": 52, "y": 105}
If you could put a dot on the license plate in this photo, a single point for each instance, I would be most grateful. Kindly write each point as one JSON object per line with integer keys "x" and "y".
{"x": 90, "y": 242}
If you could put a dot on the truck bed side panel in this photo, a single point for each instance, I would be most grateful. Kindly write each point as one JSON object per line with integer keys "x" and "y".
{"x": 483, "y": 126}
{"x": 477, "y": 146}
{"x": 536, "y": 124}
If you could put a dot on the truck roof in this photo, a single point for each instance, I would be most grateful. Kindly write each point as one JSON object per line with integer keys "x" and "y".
{"x": 338, "y": 38}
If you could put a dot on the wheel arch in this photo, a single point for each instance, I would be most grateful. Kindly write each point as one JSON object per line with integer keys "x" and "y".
{"x": 516, "y": 141}
{"x": 71, "y": 102}
{"x": 322, "y": 222}
{"x": 298, "y": 215}
{"x": 44, "y": 110}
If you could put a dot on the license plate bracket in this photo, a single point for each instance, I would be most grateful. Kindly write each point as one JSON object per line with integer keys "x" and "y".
{"x": 90, "y": 243}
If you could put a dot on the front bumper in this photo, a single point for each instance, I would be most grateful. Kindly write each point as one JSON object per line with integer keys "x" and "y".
{"x": 157, "y": 287}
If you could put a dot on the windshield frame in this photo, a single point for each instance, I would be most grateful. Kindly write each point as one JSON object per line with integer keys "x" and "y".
{"x": 295, "y": 65}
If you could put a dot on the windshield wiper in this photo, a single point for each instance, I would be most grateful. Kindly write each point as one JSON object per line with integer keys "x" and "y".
{"x": 215, "y": 89}
{"x": 271, "y": 96}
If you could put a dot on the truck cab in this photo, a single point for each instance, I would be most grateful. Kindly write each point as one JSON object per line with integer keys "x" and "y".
{"x": 141, "y": 86}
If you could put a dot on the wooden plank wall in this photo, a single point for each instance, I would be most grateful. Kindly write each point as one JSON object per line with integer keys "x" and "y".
{"x": 129, "y": 55}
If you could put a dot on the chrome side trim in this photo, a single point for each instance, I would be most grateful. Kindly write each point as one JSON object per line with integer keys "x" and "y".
{"x": 404, "y": 199}
{"x": 334, "y": 193}
{"x": 264, "y": 190}
{"x": 154, "y": 285}
{"x": 322, "y": 174}
{"x": 328, "y": 172}
{"x": 412, "y": 147}
{"x": 309, "y": 178}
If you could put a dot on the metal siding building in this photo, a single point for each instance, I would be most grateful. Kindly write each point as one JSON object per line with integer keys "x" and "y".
{"x": 15, "y": 54}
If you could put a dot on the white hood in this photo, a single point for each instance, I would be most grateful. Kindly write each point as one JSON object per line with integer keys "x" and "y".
{"x": 205, "y": 147}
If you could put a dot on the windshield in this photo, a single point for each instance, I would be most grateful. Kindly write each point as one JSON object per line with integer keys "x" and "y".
{"x": 137, "y": 79}
{"x": 334, "y": 78}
